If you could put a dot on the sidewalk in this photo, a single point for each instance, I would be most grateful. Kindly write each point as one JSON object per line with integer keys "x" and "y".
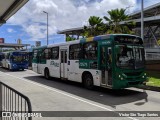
{"x": 153, "y": 88}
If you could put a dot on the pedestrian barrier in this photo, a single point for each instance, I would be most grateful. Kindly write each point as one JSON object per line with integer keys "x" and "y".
{"x": 13, "y": 104}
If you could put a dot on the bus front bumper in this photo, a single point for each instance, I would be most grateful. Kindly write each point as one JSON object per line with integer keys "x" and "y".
{"x": 121, "y": 84}
{"x": 17, "y": 67}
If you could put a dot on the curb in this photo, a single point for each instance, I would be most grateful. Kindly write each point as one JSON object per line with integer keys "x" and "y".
{"x": 153, "y": 88}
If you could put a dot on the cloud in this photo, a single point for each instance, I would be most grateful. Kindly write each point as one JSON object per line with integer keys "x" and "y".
{"x": 10, "y": 30}
{"x": 63, "y": 14}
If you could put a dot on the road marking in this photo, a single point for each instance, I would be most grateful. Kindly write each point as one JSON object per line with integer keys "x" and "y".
{"x": 64, "y": 93}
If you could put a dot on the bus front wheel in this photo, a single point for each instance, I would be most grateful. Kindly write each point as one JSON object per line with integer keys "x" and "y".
{"x": 46, "y": 74}
{"x": 88, "y": 81}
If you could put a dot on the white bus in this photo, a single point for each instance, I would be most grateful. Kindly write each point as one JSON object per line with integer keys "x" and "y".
{"x": 112, "y": 61}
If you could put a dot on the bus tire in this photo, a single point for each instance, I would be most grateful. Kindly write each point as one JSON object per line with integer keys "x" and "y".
{"x": 88, "y": 81}
{"x": 46, "y": 74}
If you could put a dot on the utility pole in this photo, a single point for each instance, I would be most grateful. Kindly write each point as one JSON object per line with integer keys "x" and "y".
{"x": 47, "y": 24}
{"x": 142, "y": 21}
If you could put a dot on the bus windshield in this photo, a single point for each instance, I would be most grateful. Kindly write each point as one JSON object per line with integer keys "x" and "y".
{"x": 130, "y": 57}
{"x": 19, "y": 57}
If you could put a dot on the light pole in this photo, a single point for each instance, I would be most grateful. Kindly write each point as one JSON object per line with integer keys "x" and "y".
{"x": 47, "y": 24}
{"x": 142, "y": 21}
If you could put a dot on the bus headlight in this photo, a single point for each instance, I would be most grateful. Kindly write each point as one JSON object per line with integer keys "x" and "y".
{"x": 14, "y": 65}
{"x": 144, "y": 75}
{"x": 120, "y": 77}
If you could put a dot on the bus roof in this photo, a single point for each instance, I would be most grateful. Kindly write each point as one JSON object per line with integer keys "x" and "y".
{"x": 41, "y": 47}
{"x": 65, "y": 43}
{"x": 96, "y": 38}
{"x": 83, "y": 40}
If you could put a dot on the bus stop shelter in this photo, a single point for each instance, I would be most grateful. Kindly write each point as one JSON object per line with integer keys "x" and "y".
{"x": 15, "y": 46}
{"x": 9, "y": 7}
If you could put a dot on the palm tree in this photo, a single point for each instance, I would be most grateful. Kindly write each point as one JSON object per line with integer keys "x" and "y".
{"x": 115, "y": 17}
{"x": 96, "y": 26}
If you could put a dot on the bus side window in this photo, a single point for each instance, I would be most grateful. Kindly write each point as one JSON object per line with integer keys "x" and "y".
{"x": 90, "y": 50}
{"x": 74, "y": 51}
{"x": 41, "y": 55}
{"x": 46, "y": 54}
{"x": 3, "y": 57}
{"x": 7, "y": 56}
{"x": 62, "y": 57}
{"x": 11, "y": 57}
{"x": 35, "y": 56}
{"x": 38, "y": 57}
{"x": 55, "y": 53}
{"x": 109, "y": 56}
{"x": 49, "y": 53}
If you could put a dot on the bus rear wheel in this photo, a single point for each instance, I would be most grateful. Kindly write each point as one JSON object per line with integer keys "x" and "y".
{"x": 46, "y": 74}
{"x": 88, "y": 81}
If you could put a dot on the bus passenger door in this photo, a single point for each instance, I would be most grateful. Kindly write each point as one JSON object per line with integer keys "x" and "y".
{"x": 64, "y": 64}
{"x": 105, "y": 65}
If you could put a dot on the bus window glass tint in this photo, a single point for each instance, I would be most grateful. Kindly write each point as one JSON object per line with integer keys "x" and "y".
{"x": 90, "y": 50}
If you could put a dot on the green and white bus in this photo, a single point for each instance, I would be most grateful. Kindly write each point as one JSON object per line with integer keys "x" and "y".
{"x": 113, "y": 61}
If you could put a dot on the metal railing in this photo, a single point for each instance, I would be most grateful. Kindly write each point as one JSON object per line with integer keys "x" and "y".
{"x": 13, "y": 104}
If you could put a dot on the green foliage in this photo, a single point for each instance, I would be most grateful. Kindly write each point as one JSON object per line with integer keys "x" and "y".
{"x": 115, "y": 17}
{"x": 154, "y": 78}
{"x": 69, "y": 38}
{"x": 96, "y": 26}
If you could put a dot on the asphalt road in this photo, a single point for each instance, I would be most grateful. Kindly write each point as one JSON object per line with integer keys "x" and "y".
{"x": 60, "y": 95}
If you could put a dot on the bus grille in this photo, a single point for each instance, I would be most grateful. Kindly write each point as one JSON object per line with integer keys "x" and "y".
{"x": 20, "y": 64}
{"x": 133, "y": 74}
{"x": 134, "y": 83}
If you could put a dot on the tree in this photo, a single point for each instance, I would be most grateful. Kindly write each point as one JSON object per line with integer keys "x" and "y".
{"x": 96, "y": 26}
{"x": 115, "y": 17}
{"x": 69, "y": 38}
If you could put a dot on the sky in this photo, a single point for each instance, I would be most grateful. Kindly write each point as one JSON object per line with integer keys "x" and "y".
{"x": 29, "y": 23}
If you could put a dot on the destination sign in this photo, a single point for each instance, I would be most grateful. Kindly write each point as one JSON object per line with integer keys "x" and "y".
{"x": 19, "y": 53}
{"x": 128, "y": 39}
